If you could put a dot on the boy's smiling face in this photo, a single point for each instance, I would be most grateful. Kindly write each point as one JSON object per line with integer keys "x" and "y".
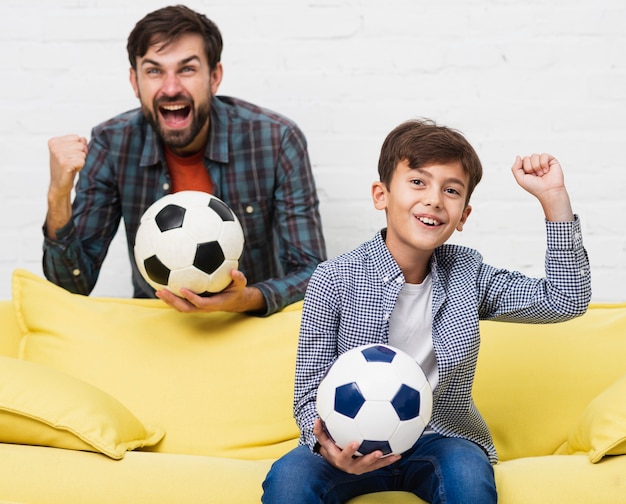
{"x": 424, "y": 207}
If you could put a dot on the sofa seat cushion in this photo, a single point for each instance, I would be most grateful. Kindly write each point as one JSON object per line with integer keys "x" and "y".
{"x": 43, "y": 406}
{"x": 550, "y": 479}
{"x": 561, "y": 479}
{"x": 72, "y": 477}
{"x": 219, "y": 384}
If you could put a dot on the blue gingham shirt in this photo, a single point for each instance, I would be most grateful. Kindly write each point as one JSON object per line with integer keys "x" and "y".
{"x": 259, "y": 165}
{"x": 350, "y": 299}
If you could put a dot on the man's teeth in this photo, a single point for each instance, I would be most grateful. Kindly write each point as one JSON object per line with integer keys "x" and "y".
{"x": 430, "y": 222}
{"x": 173, "y": 107}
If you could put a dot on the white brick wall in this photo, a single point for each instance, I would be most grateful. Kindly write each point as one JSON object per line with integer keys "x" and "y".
{"x": 516, "y": 76}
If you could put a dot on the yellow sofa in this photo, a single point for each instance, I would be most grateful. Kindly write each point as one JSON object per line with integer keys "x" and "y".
{"x": 115, "y": 401}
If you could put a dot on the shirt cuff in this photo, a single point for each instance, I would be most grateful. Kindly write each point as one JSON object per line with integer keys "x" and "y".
{"x": 565, "y": 235}
{"x": 63, "y": 234}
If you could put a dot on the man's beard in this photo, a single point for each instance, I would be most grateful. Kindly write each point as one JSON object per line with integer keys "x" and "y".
{"x": 181, "y": 138}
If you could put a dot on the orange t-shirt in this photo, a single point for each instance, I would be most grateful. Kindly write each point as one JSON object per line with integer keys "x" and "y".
{"x": 188, "y": 173}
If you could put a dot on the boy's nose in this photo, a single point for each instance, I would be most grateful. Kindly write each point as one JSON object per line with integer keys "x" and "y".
{"x": 432, "y": 198}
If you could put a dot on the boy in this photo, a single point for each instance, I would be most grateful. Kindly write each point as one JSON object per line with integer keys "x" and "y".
{"x": 406, "y": 287}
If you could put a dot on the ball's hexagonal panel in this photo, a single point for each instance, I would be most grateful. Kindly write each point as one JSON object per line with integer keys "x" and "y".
{"x": 376, "y": 420}
{"x": 189, "y": 278}
{"x": 175, "y": 249}
{"x": 202, "y": 224}
{"x": 377, "y": 381}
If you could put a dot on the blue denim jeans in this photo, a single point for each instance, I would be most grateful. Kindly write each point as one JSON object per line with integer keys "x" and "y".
{"x": 437, "y": 469}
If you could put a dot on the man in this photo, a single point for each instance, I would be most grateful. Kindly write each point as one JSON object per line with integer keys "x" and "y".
{"x": 185, "y": 137}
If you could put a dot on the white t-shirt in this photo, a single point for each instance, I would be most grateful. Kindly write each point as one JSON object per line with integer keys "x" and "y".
{"x": 411, "y": 326}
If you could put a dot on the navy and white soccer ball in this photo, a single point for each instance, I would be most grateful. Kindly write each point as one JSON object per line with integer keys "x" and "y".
{"x": 188, "y": 239}
{"x": 375, "y": 395}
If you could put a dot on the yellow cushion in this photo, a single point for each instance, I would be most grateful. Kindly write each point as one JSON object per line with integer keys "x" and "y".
{"x": 201, "y": 377}
{"x": 601, "y": 429}
{"x": 533, "y": 381}
{"x": 42, "y": 406}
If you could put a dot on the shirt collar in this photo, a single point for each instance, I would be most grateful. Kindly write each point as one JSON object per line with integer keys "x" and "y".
{"x": 152, "y": 152}
{"x": 386, "y": 266}
{"x": 218, "y": 144}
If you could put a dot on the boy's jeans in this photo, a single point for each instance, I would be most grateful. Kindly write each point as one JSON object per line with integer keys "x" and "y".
{"x": 437, "y": 469}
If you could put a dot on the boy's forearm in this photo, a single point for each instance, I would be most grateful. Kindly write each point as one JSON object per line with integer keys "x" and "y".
{"x": 557, "y": 207}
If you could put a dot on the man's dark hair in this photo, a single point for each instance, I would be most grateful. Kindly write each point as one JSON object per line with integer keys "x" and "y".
{"x": 422, "y": 142}
{"x": 166, "y": 25}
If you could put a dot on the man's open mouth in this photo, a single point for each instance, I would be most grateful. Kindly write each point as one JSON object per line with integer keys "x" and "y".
{"x": 174, "y": 113}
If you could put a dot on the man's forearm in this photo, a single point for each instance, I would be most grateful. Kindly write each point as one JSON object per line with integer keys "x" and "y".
{"x": 59, "y": 214}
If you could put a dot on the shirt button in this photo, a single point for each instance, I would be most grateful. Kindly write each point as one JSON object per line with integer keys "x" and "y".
{"x": 576, "y": 236}
{"x": 166, "y": 186}
{"x": 249, "y": 209}
{"x": 385, "y": 279}
{"x": 76, "y": 272}
{"x": 398, "y": 280}
{"x": 386, "y": 316}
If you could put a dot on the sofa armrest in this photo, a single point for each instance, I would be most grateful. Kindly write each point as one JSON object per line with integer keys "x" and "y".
{"x": 9, "y": 331}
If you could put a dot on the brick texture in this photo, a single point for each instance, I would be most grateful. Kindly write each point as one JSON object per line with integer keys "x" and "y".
{"x": 515, "y": 76}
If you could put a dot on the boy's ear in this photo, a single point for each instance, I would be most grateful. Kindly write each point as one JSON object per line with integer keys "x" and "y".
{"x": 464, "y": 216}
{"x": 379, "y": 195}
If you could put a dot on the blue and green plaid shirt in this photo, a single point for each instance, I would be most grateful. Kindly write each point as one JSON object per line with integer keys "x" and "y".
{"x": 259, "y": 165}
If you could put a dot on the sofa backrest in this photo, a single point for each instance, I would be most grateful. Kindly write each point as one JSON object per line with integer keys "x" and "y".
{"x": 9, "y": 331}
{"x": 218, "y": 384}
{"x": 533, "y": 382}
{"x": 222, "y": 384}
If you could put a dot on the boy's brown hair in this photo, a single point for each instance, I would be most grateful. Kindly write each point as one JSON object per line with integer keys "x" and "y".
{"x": 422, "y": 142}
{"x": 166, "y": 25}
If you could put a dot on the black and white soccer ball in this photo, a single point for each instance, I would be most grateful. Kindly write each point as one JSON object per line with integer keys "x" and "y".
{"x": 188, "y": 239}
{"x": 375, "y": 395}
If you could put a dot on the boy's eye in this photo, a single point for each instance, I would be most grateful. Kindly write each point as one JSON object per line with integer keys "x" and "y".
{"x": 417, "y": 182}
{"x": 454, "y": 192}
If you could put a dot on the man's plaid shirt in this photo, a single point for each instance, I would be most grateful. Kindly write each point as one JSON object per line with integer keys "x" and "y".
{"x": 259, "y": 165}
{"x": 350, "y": 299}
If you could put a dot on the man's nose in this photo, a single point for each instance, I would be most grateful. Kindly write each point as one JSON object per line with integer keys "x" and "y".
{"x": 171, "y": 85}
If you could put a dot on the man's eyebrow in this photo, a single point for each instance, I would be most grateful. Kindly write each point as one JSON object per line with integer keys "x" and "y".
{"x": 189, "y": 60}
{"x": 148, "y": 61}
{"x": 182, "y": 62}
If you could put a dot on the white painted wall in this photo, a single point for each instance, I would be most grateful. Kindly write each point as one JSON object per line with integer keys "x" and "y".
{"x": 516, "y": 76}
